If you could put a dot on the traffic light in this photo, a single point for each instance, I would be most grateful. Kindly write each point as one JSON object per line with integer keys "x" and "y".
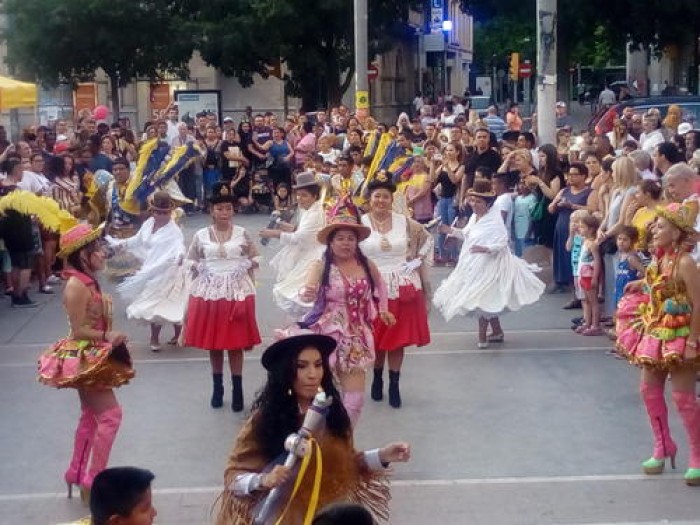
{"x": 514, "y": 68}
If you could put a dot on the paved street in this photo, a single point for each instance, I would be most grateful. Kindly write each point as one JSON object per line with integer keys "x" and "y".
{"x": 544, "y": 429}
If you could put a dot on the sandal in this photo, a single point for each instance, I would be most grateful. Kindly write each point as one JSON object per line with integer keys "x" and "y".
{"x": 173, "y": 341}
{"x": 593, "y": 331}
{"x": 581, "y": 328}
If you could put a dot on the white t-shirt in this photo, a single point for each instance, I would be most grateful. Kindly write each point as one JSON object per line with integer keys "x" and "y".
{"x": 172, "y": 131}
{"x": 650, "y": 140}
{"x": 35, "y": 183}
{"x": 504, "y": 203}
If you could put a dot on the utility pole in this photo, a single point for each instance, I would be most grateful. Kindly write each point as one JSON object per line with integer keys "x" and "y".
{"x": 361, "y": 67}
{"x": 546, "y": 71}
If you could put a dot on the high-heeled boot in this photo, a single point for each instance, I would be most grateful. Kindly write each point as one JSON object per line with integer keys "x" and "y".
{"x": 237, "y": 395}
{"x": 82, "y": 446}
{"x": 664, "y": 447}
{"x": 689, "y": 410}
{"x": 378, "y": 384}
{"x": 108, "y": 422}
{"x": 394, "y": 393}
{"x": 217, "y": 393}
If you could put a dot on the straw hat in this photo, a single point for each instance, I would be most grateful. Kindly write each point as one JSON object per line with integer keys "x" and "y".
{"x": 682, "y": 216}
{"x": 344, "y": 215}
{"x": 78, "y": 237}
{"x": 482, "y": 189}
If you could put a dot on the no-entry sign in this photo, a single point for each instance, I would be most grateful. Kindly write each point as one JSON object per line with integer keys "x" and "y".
{"x": 525, "y": 70}
{"x": 372, "y": 72}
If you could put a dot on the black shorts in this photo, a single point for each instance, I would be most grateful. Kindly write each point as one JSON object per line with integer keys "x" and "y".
{"x": 22, "y": 260}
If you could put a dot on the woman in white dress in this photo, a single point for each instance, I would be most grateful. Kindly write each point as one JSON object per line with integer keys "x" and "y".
{"x": 400, "y": 248}
{"x": 300, "y": 247}
{"x": 157, "y": 292}
{"x": 488, "y": 278}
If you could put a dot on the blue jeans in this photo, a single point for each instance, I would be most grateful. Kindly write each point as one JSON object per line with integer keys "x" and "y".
{"x": 447, "y": 214}
{"x": 519, "y": 245}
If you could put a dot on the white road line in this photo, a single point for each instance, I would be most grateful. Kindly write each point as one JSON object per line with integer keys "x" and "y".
{"x": 396, "y": 483}
{"x": 268, "y": 339}
{"x": 426, "y": 353}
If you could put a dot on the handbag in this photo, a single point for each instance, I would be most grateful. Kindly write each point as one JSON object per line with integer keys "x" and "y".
{"x": 538, "y": 211}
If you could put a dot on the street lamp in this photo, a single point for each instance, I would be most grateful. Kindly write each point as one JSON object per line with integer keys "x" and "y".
{"x": 446, "y": 28}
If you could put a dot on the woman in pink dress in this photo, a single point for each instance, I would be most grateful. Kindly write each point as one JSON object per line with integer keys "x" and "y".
{"x": 221, "y": 309}
{"x": 349, "y": 293}
{"x": 93, "y": 358}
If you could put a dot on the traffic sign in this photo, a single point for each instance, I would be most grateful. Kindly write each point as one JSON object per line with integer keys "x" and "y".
{"x": 525, "y": 70}
{"x": 372, "y": 72}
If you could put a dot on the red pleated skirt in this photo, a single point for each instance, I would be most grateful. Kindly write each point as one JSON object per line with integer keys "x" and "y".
{"x": 221, "y": 324}
{"x": 411, "y": 326}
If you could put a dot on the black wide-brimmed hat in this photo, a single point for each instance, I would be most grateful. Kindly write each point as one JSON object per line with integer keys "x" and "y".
{"x": 220, "y": 192}
{"x": 295, "y": 343}
{"x": 381, "y": 181}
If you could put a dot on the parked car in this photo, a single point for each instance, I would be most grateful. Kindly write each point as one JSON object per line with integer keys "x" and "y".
{"x": 602, "y": 121}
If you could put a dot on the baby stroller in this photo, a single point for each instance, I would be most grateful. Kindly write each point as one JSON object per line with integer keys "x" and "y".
{"x": 262, "y": 191}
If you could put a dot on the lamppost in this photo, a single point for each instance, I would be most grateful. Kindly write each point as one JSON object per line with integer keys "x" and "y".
{"x": 446, "y": 29}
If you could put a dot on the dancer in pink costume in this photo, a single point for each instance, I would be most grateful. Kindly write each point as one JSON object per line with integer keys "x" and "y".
{"x": 662, "y": 335}
{"x": 349, "y": 293}
{"x": 93, "y": 358}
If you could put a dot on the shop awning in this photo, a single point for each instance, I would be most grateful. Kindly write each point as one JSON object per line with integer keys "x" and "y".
{"x": 15, "y": 94}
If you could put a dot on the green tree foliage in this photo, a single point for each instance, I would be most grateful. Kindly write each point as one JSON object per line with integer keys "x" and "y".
{"x": 313, "y": 40}
{"x": 66, "y": 41}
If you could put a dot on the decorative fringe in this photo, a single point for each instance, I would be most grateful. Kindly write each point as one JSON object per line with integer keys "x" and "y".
{"x": 46, "y": 210}
{"x": 151, "y": 157}
{"x": 180, "y": 160}
{"x": 145, "y": 152}
{"x": 373, "y": 492}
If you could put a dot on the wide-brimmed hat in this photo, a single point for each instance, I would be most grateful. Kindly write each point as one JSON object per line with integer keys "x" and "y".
{"x": 78, "y": 237}
{"x": 160, "y": 201}
{"x": 682, "y": 216}
{"x": 306, "y": 179}
{"x": 220, "y": 192}
{"x": 290, "y": 345}
{"x": 343, "y": 215}
{"x": 482, "y": 189}
{"x": 381, "y": 181}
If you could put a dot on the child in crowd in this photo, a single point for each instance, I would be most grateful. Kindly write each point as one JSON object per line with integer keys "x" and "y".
{"x": 122, "y": 496}
{"x": 283, "y": 202}
{"x": 589, "y": 273}
{"x": 502, "y": 185}
{"x": 261, "y": 191}
{"x": 524, "y": 203}
{"x": 629, "y": 266}
{"x": 573, "y": 245}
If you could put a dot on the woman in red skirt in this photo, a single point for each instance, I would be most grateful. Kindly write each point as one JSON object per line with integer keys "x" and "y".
{"x": 221, "y": 308}
{"x": 400, "y": 247}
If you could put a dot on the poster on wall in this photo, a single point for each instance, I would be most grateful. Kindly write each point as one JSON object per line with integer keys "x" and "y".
{"x": 84, "y": 99}
{"x": 192, "y": 102}
{"x": 159, "y": 99}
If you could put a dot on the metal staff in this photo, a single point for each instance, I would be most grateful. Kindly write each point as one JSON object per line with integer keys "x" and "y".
{"x": 296, "y": 448}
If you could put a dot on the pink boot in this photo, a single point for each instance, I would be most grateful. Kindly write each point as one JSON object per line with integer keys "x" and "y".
{"x": 664, "y": 447}
{"x": 689, "y": 410}
{"x": 82, "y": 445}
{"x": 108, "y": 422}
{"x": 353, "y": 402}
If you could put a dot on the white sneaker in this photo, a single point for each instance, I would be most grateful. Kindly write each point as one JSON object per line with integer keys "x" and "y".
{"x": 53, "y": 280}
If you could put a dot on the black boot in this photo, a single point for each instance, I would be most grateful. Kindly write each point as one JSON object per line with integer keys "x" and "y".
{"x": 217, "y": 394}
{"x": 394, "y": 394}
{"x": 378, "y": 385}
{"x": 237, "y": 396}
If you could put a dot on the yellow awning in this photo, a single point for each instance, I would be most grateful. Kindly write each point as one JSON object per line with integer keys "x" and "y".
{"x": 15, "y": 94}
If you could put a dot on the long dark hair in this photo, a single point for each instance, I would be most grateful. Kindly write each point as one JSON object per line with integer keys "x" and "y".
{"x": 552, "y": 168}
{"x": 278, "y": 410}
{"x": 320, "y": 304}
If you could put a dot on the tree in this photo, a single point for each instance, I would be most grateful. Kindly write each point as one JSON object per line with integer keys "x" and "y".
{"x": 58, "y": 41}
{"x": 313, "y": 39}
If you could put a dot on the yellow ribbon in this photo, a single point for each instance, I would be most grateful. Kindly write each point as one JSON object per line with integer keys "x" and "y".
{"x": 313, "y": 501}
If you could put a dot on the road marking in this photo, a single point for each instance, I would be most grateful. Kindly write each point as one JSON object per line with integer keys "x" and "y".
{"x": 408, "y": 483}
{"x": 494, "y": 350}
